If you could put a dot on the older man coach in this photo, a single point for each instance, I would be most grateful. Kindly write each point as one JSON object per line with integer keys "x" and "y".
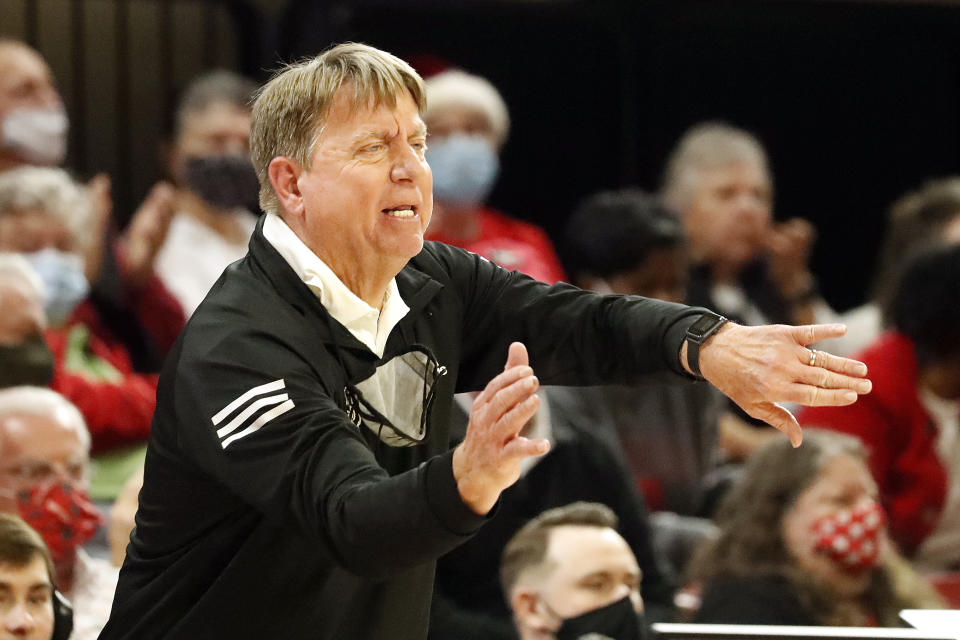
{"x": 299, "y": 482}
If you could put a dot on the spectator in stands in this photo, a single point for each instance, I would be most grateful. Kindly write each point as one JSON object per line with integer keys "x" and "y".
{"x": 44, "y": 477}
{"x": 921, "y": 218}
{"x": 803, "y": 541}
{"x": 25, "y": 357}
{"x": 468, "y": 123}
{"x": 910, "y": 423}
{"x": 128, "y": 299}
{"x": 469, "y": 602}
{"x": 216, "y": 204}
{"x": 42, "y": 216}
{"x": 569, "y": 574}
{"x": 32, "y": 609}
{"x": 744, "y": 266}
{"x": 33, "y": 122}
{"x": 626, "y": 242}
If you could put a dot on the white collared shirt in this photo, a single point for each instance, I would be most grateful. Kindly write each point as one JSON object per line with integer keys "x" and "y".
{"x": 370, "y": 326}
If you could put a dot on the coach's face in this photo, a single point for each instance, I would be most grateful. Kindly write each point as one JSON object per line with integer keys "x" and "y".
{"x": 367, "y": 197}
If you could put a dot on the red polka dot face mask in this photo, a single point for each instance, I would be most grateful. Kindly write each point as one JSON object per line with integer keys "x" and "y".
{"x": 851, "y": 537}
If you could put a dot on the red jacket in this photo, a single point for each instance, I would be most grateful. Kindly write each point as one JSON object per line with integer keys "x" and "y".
{"x": 93, "y": 369}
{"x": 512, "y": 244}
{"x": 900, "y": 436}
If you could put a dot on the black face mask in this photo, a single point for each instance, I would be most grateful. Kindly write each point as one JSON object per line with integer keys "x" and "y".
{"x": 29, "y": 362}
{"x": 225, "y": 181}
{"x": 617, "y": 621}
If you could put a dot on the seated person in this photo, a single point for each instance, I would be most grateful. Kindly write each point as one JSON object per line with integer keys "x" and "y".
{"x": 216, "y": 198}
{"x": 44, "y": 478}
{"x": 803, "y": 541}
{"x": 744, "y": 266}
{"x": 24, "y": 355}
{"x": 921, "y": 218}
{"x": 468, "y": 123}
{"x": 42, "y": 216}
{"x": 910, "y": 422}
{"x": 626, "y": 242}
{"x": 468, "y": 600}
{"x": 31, "y": 609}
{"x": 568, "y": 574}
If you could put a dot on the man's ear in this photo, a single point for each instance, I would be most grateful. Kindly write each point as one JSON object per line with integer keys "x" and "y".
{"x": 284, "y": 173}
{"x": 527, "y": 611}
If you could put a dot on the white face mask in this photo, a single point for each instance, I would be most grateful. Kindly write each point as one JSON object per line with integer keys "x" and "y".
{"x": 38, "y": 136}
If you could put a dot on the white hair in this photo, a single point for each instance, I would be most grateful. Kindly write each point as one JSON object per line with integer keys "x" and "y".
{"x": 706, "y": 146}
{"x": 16, "y": 267}
{"x": 39, "y": 401}
{"x": 460, "y": 89}
{"x": 50, "y": 190}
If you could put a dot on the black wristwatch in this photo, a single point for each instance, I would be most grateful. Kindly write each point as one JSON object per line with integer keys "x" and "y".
{"x": 698, "y": 333}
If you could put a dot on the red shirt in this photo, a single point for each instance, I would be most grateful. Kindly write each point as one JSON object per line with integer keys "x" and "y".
{"x": 513, "y": 245}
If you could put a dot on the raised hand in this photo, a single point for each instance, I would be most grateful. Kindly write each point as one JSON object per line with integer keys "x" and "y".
{"x": 147, "y": 232}
{"x": 488, "y": 460}
{"x": 758, "y": 367}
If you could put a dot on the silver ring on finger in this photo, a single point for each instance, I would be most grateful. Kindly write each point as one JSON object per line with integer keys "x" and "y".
{"x": 813, "y": 357}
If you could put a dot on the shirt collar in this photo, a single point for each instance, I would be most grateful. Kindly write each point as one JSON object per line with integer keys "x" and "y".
{"x": 369, "y": 325}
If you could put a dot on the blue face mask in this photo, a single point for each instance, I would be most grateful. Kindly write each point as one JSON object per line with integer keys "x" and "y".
{"x": 63, "y": 278}
{"x": 465, "y": 169}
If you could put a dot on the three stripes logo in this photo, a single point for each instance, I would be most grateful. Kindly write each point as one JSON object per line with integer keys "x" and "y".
{"x": 261, "y": 405}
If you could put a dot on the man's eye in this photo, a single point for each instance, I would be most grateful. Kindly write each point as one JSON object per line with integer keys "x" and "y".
{"x": 39, "y": 598}
{"x": 372, "y": 148}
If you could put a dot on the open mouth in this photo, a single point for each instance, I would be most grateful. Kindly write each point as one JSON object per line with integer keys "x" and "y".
{"x": 401, "y": 211}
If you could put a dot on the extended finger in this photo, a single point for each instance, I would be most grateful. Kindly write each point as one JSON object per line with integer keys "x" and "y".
{"x": 813, "y": 396}
{"x": 810, "y": 333}
{"x": 842, "y": 365}
{"x": 512, "y": 421}
{"x": 501, "y": 380}
{"x": 506, "y": 399}
{"x": 826, "y": 379}
{"x": 780, "y": 419}
{"x": 521, "y": 447}
{"x": 517, "y": 356}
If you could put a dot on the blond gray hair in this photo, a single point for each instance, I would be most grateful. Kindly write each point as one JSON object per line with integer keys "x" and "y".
{"x": 706, "y": 146}
{"x": 289, "y": 111}
{"x": 40, "y": 401}
{"x": 464, "y": 90}
{"x": 50, "y": 190}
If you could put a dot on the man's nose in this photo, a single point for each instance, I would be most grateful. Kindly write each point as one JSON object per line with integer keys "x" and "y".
{"x": 19, "y": 621}
{"x": 407, "y": 165}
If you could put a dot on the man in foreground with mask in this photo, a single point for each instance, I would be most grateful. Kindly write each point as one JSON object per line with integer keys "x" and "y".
{"x": 216, "y": 201}
{"x": 568, "y": 574}
{"x": 44, "y": 478}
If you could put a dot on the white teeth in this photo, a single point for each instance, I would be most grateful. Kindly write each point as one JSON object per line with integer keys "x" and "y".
{"x": 401, "y": 213}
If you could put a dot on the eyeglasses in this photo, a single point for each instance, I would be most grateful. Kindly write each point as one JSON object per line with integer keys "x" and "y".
{"x": 405, "y": 386}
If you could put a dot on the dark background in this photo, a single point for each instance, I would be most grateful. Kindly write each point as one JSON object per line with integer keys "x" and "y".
{"x": 856, "y": 101}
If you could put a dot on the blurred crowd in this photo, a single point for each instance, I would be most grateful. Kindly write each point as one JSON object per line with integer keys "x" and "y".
{"x": 660, "y": 498}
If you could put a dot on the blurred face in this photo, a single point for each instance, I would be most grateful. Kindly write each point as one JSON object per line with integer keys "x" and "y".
{"x": 843, "y": 483}
{"x": 21, "y": 311}
{"x": 26, "y": 601}
{"x": 40, "y": 449}
{"x": 25, "y": 80}
{"x": 460, "y": 119}
{"x": 729, "y": 218}
{"x": 590, "y": 567}
{"x": 219, "y": 129}
{"x": 26, "y": 231}
{"x": 367, "y": 197}
{"x": 662, "y": 275}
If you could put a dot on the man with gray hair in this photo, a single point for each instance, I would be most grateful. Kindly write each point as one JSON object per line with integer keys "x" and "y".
{"x": 44, "y": 478}
{"x": 298, "y": 480}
